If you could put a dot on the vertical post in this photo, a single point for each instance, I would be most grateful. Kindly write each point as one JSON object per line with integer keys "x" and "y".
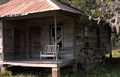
{"x": 75, "y": 53}
{"x": 55, "y": 72}
{"x": 1, "y": 42}
{"x": 1, "y": 46}
{"x": 56, "y": 38}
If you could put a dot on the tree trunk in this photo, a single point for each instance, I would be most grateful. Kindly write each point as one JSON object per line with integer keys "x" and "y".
{"x": 113, "y": 42}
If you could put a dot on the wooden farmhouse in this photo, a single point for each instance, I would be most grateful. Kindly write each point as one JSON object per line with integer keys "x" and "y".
{"x": 44, "y": 33}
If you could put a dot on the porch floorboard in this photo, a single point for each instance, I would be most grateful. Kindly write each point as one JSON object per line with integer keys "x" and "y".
{"x": 50, "y": 63}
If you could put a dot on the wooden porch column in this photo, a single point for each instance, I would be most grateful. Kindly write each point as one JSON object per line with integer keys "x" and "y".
{"x": 1, "y": 46}
{"x": 55, "y": 72}
{"x": 56, "y": 38}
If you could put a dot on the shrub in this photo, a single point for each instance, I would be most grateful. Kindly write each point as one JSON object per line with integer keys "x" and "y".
{"x": 6, "y": 74}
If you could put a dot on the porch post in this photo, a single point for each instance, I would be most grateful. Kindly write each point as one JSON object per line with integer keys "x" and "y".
{"x": 1, "y": 46}
{"x": 55, "y": 72}
{"x": 56, "y": 38}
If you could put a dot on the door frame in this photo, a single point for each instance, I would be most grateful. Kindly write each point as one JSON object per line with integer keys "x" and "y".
{"x": 31, "y": 40}
{"x": 61, "y": 35}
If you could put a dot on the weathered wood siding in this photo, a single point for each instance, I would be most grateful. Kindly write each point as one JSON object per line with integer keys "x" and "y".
{"x": 95, "y": 38}
{"x": 26, "y": 38}
{"x": 45, "y": 36}
{"x": 8, "y": 45}
{"x": 68, "y": 33}
{"x": 80, "y": 35}
{"x": 17, "y": 43}
{"x": 8, "y": 40}
{"x": 36, "y": 42}
{"x": 40, "y": 36}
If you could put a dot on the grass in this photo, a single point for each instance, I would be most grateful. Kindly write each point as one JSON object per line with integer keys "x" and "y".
{"x": 110, "y": 68}
{"x": 115, "y": 54}
{"x": 6, "y": 74}
{"x": 106, "y": 70}
{"x": 9, "y": 74}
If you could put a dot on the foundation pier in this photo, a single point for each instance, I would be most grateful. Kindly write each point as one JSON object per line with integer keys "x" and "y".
{"x": 2, "y": 68}
{"x": 55, "y": 72}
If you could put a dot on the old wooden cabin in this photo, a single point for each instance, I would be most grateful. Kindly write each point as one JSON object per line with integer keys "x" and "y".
{"x": 27, "y": 26}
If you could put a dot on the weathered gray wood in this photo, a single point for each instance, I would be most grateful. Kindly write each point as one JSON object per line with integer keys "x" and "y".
{"x": 8, "y": 45}
{"x": 73, "y": 36}
{"x": 18, "y": 43}
{"x": 39, "y": 63}
{"x": 68, "y": 33}
{"x": 74, "y": 40}
{"x": 50, "y": 51}
{"x": 1, "y": 42}
{"x": 55, "y": 23}
{"x": 36, "y": 42}
{"x": 27, "y": 44}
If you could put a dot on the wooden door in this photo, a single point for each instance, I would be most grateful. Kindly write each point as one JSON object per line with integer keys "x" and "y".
{"x": 35, "y": 42}
{"x": 59, "y": 36}
{"x": 17, "y": 43}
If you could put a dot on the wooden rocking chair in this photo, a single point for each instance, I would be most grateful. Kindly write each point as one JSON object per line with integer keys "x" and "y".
{"x": 49, "y": 51}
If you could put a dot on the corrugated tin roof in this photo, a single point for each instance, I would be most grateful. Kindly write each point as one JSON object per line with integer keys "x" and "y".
{"x": 24, "y": 7}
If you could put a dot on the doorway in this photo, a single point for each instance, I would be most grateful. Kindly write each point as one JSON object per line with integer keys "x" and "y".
{"x": 17, "y": 43}
{"x": 59, "y": 36}
{"x": 35, "y": 42}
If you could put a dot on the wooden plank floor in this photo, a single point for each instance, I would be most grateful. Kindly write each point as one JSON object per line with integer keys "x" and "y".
{"x": 50, "y": 63}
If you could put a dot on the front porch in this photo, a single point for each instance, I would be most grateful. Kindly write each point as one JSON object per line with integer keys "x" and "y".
{"x": 44, "y": 63}
{"x": 25, "y": 38}
{"x": 48, "y": 63}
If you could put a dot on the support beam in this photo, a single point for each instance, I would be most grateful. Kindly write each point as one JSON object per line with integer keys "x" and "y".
{"x": 56, "y": 38}
{"x": 1, "y": 43}
{"x": 1, "y": 47}
{"x": 55, "y": 72}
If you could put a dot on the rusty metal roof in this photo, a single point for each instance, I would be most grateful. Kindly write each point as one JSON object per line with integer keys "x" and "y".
{"x": 25, "y": 7}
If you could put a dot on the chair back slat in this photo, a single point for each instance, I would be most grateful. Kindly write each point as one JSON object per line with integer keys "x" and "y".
{"x": 51, "y": 48}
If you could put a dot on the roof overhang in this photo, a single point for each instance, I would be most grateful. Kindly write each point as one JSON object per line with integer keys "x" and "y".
{"x": 16, "y": 8}
{"x": 41, "y": 14}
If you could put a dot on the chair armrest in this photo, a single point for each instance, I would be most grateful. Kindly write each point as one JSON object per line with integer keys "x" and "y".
{"x": 41, "y": 53}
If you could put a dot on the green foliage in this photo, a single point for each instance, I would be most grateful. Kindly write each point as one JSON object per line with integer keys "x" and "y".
{"x": 114, "y": 54}
{"x": 3, "y": 1}
{"x": 83, "y": 20}
{"x": 6, "y": 74}
{"x": 98, "y": 9}
{"x": 100, "y": 71}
